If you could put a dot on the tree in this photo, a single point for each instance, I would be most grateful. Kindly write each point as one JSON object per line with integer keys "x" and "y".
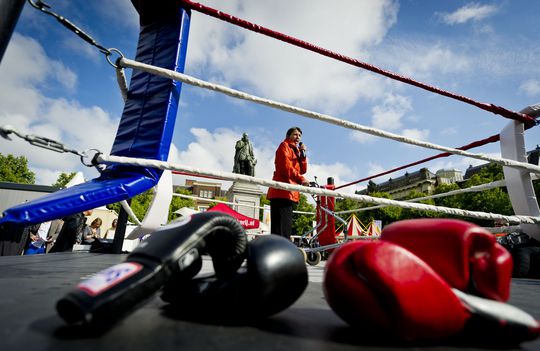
{"x": 410, "y": 213}
{"x": 492, "y": 200}
{"x": 302, "y": 223}
{"x": 140, "y": 203}
{"x": 15, "y": 169}
{"x": 386, "y": 214}
{"x": 215, "y": 203}
{"x": 453, "y": 201}
{"x": 264, "y": 201}
{"x": 345, "y": 205}
{"x": 180, "y": 202}
{"x": 371, "y": 187}
{"x": 63, "y": 179}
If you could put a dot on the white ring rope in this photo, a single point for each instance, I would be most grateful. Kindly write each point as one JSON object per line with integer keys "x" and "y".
{"x": 315, "y": 191}
{"x": 130, "y": 212}
{"x": 472, "y": 189}
{"x": 122, "y": 82}
{"x": 315, "y": 115}
{"x": 230, "y": 203}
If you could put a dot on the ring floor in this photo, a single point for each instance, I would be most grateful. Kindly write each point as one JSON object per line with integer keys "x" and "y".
{"x": 30, "y": 286}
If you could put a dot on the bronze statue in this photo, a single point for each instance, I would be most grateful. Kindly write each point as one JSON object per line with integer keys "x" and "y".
{"x": 244, "y": 160}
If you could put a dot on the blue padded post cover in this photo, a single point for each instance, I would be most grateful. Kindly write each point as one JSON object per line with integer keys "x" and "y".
{"x": 145, "y": 129}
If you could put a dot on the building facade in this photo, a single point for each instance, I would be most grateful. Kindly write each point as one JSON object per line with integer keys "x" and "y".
{"x": 208, "y": 191}
{"x": 423, "y": 181}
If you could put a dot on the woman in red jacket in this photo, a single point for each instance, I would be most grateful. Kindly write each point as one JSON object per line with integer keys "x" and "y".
{"x": 290, "y": 164}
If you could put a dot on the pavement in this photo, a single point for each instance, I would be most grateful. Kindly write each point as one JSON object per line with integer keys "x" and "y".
{"x": 30, "y": 287}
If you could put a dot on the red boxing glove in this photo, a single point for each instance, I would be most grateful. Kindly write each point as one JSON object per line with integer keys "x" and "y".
{"x": 379, "y": 285}
{"x": 383, "y": 288}
{"x": 465, "y": 255}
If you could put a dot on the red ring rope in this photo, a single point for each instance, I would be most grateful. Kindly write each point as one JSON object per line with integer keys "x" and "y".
{"x": 491, "y": 139}
{"x": 526, "y": 119}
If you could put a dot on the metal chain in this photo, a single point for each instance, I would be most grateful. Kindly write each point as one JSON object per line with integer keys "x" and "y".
{"x": 43, "y": 7}
{"x": 46, "y": 143}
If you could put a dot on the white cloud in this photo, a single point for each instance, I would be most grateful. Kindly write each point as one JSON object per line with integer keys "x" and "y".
{"x": 75, "y": 45}
{"x": 530, "y": 87}
{"x": 121, "y": 13}
{"x": 215, "y": 151}
{"x": 361, "y": 137}
{"x": 340, "y": 172}
{"x": 279, "y": 71}
{"x": 387, "y": 116}
{"x": 421, "y": 60}
{"x": 25, "y": 69}
{"x": 469, "y": 12}
{"x": 448, "y": 131}
{"x": 418, "y": 134}
{"x": 376, "y": 168}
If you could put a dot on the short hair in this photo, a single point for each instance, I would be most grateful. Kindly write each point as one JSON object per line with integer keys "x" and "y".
{"x": 292, "y": 129}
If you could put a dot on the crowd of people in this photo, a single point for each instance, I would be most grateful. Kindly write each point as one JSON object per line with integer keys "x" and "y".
{"x": 57, "y": 235}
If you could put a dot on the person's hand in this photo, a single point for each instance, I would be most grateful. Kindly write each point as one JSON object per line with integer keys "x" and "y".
{"x": 305, "y": 183}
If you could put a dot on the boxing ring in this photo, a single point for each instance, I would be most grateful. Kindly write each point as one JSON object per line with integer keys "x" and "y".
{"x": 31, "y": 286}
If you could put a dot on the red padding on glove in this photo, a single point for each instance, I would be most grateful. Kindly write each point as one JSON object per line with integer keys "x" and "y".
{"x": 382, "y": 287}
{"x": 467, "y": 256}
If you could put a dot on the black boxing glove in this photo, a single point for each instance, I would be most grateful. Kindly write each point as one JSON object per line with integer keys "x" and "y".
{"x": 174, "y": 250}
{"x": 274, "y": 277}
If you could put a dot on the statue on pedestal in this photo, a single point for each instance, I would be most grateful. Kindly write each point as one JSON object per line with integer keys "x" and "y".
{"x": 244, "y": 160}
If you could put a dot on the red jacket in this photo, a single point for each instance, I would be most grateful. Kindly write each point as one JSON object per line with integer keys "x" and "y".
{"x": 289, "y": 169}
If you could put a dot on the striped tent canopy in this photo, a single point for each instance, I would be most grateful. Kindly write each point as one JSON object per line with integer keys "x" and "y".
{"x": 356, "y": 228}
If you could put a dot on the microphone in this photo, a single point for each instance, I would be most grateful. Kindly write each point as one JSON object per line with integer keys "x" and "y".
{"x": 302, "y": 151}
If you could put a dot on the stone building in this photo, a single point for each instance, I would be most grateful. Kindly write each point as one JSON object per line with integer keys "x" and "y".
{"x": 206, "y": 190}
{"x": 423, "y": 181}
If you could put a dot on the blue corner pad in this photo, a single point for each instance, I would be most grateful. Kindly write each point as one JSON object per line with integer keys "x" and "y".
{"x": 145, "y": 129}
{"x": 110, "y": 187}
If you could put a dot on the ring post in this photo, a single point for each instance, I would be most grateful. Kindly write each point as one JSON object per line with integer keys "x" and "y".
{"x": 10, "y": 11}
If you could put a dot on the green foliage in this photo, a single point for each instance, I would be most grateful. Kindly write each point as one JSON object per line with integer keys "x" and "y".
{"x": 114, "y": 207}
{"x": 386, "y": 214}
{"x": 180, "y": 202}
{"x": 490, "y": 173}
{"x": 536, "y": 185}
{"x": 63, "y": 179}
{"x": 15, "y": 169}
{"x": 214, "y": 203}
{"x": 371, "y": 187}
{"x": 346, "y": 205}
{"x": 493, "y": 200}
{"x": 453, "y": 201}
{"x": 264, "y": 201}
{"x": 140, "y": 203}
{"x": 302, "y": 222}
{"x": 409, "y": 213}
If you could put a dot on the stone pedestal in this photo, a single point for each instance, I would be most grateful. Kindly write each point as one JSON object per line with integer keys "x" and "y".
{"x": 245, "y": 194}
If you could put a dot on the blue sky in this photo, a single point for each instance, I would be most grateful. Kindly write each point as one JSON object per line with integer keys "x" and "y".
{"x": 53, "y": 84}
